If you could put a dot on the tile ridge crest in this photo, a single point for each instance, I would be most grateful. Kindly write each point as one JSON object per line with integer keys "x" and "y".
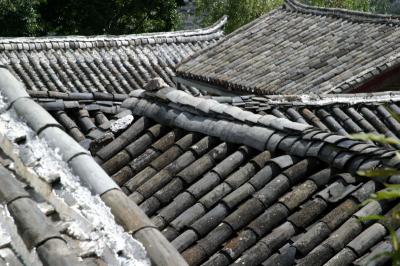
{"x": 232, "y": 124}
{"x": 321, "y": 99}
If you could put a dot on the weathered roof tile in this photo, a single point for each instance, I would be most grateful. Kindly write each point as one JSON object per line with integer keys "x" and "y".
{"x": 215, "y": 200}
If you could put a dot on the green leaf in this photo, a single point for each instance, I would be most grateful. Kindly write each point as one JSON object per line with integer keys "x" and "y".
{"x": 395, "y": 240}
{"x": 375, "y": 137}
{"x": 367, "y": 201}
{"x": 379, "y": 172}
{"x": 372, "y": 218}
{"x": 387, "y": 194}
{"x": 393, "y": 186}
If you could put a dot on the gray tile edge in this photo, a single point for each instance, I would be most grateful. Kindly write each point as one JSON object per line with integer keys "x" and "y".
{"x": 10, "y": 87}
{"x": 90, "y": 173}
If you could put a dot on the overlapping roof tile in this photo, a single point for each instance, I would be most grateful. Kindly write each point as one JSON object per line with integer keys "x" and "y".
{"x": 342, "y": 113}
{"x": 46, "y": 217}
{"x": 229, "y": 186}
{"x": 113, "y": 64}
{"x": 243, "y": 180}
{"x": 58, "y": 206}
{"x": 298, "y": 49}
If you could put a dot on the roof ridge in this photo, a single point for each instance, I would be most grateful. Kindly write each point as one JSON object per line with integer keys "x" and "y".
{"x": 210, "y": 32}
{"x": 319, "y": 100}
{"x": 172, "y": 107}
{"x": 76, "y": 96}
{"x": 352, "y": 15}
{"x": 298, "y": 100}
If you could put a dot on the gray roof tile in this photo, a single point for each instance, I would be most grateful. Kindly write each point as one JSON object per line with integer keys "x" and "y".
{"x": 307, "y": 212}
{"x": 205, "y": 193}
{"x": 236, "y": 246}
{"x": 345, "y": 256}
{"x": 285, "y": 34}
{"x": 269, "y": 219}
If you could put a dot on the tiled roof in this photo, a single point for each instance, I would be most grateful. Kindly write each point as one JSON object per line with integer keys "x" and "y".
{"x": 113, "y": 64}
{"x": 299, "y": 49}
{"x": 90, "y": 220}
{"x": 228, "y": 186}
{"x": 44, "y": 230}
{"x": 340, "y": 113}
{"x": 46, "y": 216}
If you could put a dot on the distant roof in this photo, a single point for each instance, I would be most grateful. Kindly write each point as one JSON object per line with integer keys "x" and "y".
{"x": 113, "y": 64}
{"x": 228, "y": 186}
{"x": 299, "y": 49}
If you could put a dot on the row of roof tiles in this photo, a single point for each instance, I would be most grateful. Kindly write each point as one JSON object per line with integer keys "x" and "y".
{"x": 126, "y": 212}
{"x": 349, "y": 114}
{"x": 299, "y": 49}
{"x": 201, "y": 202}
{"x": 220, "y": 198}
{"x": 76, "y": 42}
{"x": 224, "y": 185}
{"x": 113, "y": 64}
{"x": 36, "y": 218}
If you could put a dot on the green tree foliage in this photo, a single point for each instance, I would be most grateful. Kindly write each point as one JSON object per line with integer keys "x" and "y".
{"x": 108, "y": 16}
{"x": 19, "y": 17}
{"x": 86, "y": 17}
{"x": 241, "y": 12}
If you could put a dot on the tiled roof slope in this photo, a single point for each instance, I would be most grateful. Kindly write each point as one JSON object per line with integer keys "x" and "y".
{"x": 29, "y": 212}
{"x": 228, "y": 186}
{"x": 76, "y": 186}
{"x": 299, "y": 49}
{"x": 42, "y": 220}
{"x": 114, "y": 64}
{"x": 343, "y": 114}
